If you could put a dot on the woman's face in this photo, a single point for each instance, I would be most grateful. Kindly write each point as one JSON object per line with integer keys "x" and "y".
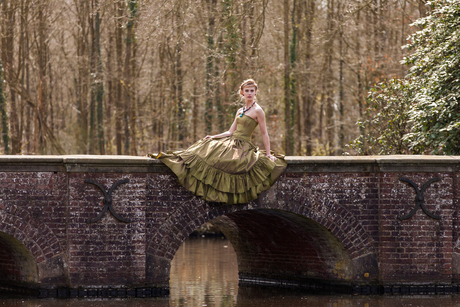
{"x": 249, "y": 92}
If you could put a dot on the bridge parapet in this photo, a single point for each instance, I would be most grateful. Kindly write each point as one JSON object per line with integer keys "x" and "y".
{"x": 136, "y": 164}
{"x": 341, "y": 221}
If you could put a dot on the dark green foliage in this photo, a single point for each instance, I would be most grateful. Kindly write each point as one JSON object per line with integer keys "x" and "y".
{"x": 435, "y": 80}
{"x": 420, "y": 114}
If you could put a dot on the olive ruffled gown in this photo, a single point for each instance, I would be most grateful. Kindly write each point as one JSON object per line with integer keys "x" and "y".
{"x": 229, "y": 169}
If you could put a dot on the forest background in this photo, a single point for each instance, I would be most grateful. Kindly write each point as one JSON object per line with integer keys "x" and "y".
{"x": 140, "y": 76}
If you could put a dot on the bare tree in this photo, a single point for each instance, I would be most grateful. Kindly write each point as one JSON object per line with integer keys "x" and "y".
{"x": 131, "y": 77}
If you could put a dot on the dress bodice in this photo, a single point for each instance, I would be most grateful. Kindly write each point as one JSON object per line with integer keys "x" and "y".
{"x": 244, "y": 127}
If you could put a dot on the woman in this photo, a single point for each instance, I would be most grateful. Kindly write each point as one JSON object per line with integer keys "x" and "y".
{"x": 227, "y": 167}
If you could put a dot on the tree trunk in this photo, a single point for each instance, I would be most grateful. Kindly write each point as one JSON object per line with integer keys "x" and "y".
{"x": 128, "y": 79}
{"x": 308, "y": 95}
{"x": 109, "y": 76}
{"x": 4, "y": 116}
{"x": 360, "y": 96}
{"x": 23, "y": 66}
{"x": 231, "y": 48}
{"x": 329, "y": 79}
{"x": 382, "y": 38}
{"x": 93, "y": 75}
{"x": 119, "y": 85}
{"x": 341, "y": 92}
{"x": 9, "y": 15}
{"x": 99, "y": 85}
{"x": 287, "y": 91}
{"x": 422, "y": 8}
{"x": 96, "y": 134}
{"x": 162, "y": 98}
{"x": 81, "y": 86}
{"x": 181, "y": 127}
{"x": 195, "y": 110}
{"x": 252, "y": 41}
{"x": 42, "y": 115}
{"x": 208, "y": 112}
{"x": 28, "y": 109}
{"x": 294, "y": 105}
{"x": 403, "y": 31}
{"x": 134, "y": 98}
{"x": 218, "y": 93}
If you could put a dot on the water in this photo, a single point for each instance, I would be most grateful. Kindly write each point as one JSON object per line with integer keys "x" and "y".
{"x": 204, "y": 273}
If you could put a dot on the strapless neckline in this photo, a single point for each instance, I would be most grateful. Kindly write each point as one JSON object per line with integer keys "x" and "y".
{"x": 250, "y": 118}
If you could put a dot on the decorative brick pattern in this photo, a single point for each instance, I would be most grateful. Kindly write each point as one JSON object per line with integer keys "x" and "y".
{"x": 109, "y": 251}
{"x": 420, "y": 246}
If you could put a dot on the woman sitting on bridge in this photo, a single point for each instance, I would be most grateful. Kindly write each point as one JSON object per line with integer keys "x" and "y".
{"x": 227, "y": 167}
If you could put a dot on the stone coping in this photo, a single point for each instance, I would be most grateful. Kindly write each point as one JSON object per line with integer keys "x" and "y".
{"x": 139, "y": 164}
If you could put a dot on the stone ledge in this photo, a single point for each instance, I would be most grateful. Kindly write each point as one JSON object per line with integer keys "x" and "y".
{"x": 372, "y": 164}
{"x": 296, "y": 164}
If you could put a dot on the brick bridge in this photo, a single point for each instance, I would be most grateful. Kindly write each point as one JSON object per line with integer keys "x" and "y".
{"x": 110, "y": 225}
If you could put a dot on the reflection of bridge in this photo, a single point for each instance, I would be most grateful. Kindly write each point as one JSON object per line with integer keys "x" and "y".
{"x": 110, "y": 225}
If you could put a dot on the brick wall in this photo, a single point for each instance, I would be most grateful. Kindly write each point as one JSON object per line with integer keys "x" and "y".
{"x": 420, "y": 246}
{"x": 330, "y": 219}
{"x": 107, "y": 251}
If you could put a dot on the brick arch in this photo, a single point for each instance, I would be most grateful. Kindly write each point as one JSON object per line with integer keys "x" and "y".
{"x": 358, "y": 258}
{"x": 194, "y": 213}
{"x": 341, "y": 222}
{"x": 167, "y": 239}
{"x": 36, "y": 236}
{"x": 17, "y": 264}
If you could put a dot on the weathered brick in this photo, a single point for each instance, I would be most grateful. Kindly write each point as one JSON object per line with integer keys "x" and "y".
{"x": 317, "y": 219}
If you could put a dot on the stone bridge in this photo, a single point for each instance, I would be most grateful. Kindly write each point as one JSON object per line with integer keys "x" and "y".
{"x": 110, "y": 225}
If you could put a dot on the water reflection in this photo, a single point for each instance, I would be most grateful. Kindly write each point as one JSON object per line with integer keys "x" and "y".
{"x": 134, "y": 302}
{"x": 268, "y": 301}
{"x": 204, "y": 273}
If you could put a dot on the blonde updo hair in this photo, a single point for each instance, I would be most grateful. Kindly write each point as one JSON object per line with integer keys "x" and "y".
{"x": 248, "y": 82}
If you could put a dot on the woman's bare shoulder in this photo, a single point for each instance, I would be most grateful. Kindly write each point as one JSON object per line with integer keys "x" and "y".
{"x": 259, "y": 109}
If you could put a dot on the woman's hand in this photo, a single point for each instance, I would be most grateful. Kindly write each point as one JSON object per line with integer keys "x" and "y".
{"x": 207, "y": 137}
{"x": 273, "y": 158}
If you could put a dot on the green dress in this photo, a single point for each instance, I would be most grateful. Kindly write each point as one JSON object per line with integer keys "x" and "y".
{"x": 227, "y": 170}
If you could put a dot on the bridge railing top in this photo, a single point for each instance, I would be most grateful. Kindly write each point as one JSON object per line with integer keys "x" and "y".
{"x": 296, "y": 164}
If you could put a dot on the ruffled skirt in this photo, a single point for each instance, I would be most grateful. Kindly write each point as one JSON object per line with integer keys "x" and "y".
{"x": 225, "y": 170}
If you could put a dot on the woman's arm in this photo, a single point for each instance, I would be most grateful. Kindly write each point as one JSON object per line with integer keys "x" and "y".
{"x": 226, "y": 133}
{"x": 263, "y": 130}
